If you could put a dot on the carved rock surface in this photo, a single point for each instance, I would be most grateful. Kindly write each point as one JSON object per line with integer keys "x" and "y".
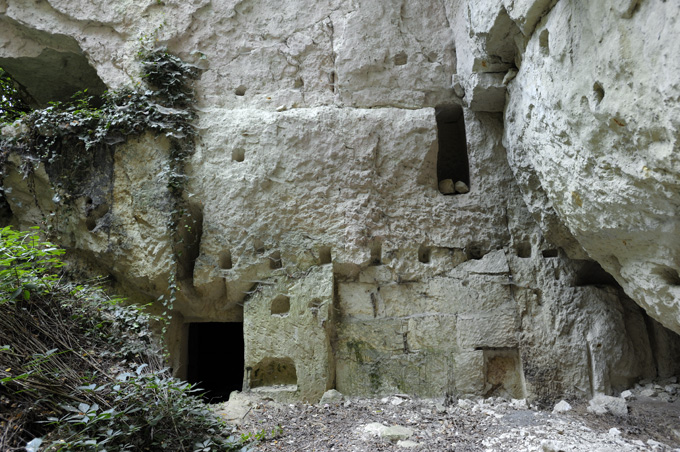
{"x": 316, "y": 218}
{"x": 592, "y": 131}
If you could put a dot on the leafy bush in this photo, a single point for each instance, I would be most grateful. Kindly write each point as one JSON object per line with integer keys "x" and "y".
{"x": 26, "y": 264}
{"x": 66, "y": 135}
{"x": 12, "y": 106}
{"x": 80, "y": 371}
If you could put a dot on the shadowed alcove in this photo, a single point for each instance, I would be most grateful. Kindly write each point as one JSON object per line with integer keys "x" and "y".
{"x": 215, "y": 358}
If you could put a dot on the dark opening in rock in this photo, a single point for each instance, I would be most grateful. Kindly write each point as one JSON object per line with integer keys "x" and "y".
{"x": 523, "y": 249}
{"x": 474, "y": 251}
{"x": 332, "y": 80}
{"x": 592, "y": 274}
{"x": 424, "y": 253}
{"x": 275, "y": 260}
{"x": 325, "y": 255}
{"x": 598, "y": 92}
{"x": 667, "y": 274}
{"x": 452, "y": 156}
{"x": 280, "y": 305}
{"x": 53, "y": 75}
{"x": 94, "y": 215}
{"x": 550, "y": 253}
{"x": 238, "y": 154}
{"x": 400, "y": 59}
{"x": 376, "y": 253}
{"x": 258, "y": 245}
{"x": 544, "y": 42}
{"x": 215, "y": 355}
{"x": 225, "y": 260}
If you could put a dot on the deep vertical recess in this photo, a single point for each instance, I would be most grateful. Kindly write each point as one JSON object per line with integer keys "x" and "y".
{"x": 216, "y": 358}
{"x": 452, "y": 157}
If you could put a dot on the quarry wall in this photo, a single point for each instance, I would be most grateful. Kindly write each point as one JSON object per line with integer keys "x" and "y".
{"x": 325, "y": 215}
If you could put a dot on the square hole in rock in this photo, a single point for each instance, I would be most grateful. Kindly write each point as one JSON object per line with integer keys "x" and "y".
{"x": 215, "y": 355}
{"x": 503, "y": 373}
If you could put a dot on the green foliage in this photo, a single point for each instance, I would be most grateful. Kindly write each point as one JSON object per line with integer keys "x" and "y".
{"x": 262, "y": 435}
{"x": 26, "y": 264}
{"x": 12, "y": 105}
{"x": 66, "y": 135}
{"x": 149, "y": 411}
{"x": 80, "y": 371}
{"x": 71, "y": 138}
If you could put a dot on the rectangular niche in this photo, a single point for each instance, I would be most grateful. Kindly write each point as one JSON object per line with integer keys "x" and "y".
{"x": 503, "y": 373}
{"x": 273, "y": 372}
{"x": 453, "y": 168}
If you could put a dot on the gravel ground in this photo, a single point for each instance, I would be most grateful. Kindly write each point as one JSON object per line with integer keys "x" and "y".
{"x": 354, "y": 424}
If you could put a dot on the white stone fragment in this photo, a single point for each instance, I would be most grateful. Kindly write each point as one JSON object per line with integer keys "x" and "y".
{"x": 461, "y": 187}
{"x": 602, "y": 404}
{"x": 649, "y": 392}
{"x": 447, "y": 187}
{"x": 465, "y": 404}
{"x": 331, "y": 396}
{"x": 374, "y": 428}
{"x": 396, "y": 433}
{"x": 519, "y": 404}
{"x": 552, "y": 446}
{"x": 627, "y": 395}
{"x": 562, "y": 407}
{"x": 396, "y": 401}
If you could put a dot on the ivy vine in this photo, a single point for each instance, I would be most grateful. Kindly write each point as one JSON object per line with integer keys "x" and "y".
{"x": 70, "y": 138}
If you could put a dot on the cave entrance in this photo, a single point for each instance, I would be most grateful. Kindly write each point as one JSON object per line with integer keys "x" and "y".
{"x": 452, "y": 156}
{"x": 215, "y": 355}
{"x": 54, "y": 76}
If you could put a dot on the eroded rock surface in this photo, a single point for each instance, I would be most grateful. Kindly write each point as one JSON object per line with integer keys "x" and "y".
{"x": 351, "y": 202}
{"x": 592, "y": 132}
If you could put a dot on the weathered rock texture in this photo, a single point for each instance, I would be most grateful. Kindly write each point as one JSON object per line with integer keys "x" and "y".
{"x": 592, "y": 130}
{"x": 317, "y": 218}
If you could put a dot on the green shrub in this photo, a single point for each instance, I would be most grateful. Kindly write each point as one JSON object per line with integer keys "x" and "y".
{"x": 80, "y": 371}
{"x": 12, "y": 105}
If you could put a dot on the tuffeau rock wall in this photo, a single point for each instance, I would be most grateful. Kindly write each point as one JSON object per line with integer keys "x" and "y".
{"x": 320, "y": 221}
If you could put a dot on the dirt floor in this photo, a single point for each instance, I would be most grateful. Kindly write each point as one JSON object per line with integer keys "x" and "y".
{"x": 401, "y": 423}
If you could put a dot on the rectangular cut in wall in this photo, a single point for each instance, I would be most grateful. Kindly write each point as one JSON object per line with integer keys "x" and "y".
{"x": 288, "y": 328}
{"x": 503, "y": 373}
{"x": 427, "y": 337}
{"x": 214, "y": 357}
{"x": 452, "y": 156}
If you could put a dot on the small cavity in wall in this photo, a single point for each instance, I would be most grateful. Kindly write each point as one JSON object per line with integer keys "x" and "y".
{"x": 503, "y": 373}
{"x": 280, "y": 306}
{"x": 325, "y": 256}
{"x": 424, "y": 254}
{"x": 273, "y": 372}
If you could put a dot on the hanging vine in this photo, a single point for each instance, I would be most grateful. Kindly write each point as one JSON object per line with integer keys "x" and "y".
{"x": 71, "y": 139}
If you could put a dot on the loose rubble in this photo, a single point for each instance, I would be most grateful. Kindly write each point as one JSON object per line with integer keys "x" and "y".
{"x": 402, "y": 423}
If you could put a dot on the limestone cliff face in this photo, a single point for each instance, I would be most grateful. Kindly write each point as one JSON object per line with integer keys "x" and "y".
{"x": 592, "y": 126}
{"x": 325, "y": 133}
